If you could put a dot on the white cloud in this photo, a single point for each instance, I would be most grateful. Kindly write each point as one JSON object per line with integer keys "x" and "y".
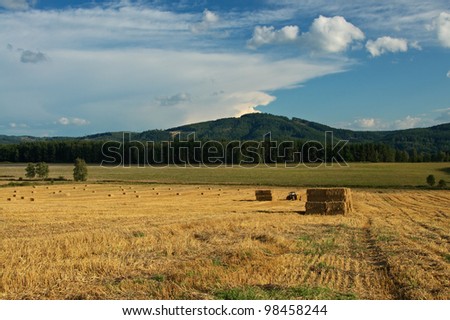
{"x": 209, "y": 19}
{"x": 400, "y": 18}
{"x": 366, "y": 123}
{"x": 72, "y": 121}
{"x": 407, "y": 123}
{"x": 14, "y": 125}
{"x": 448, "y": 74}
{"x": 374, "y": 124}
{"x": 444, "y": 116}
{"x": 123, "y": 89}
{"x": 332, "y": 35}
{"x": 415, "y": 45}
{"x": 443, "y": 29}
{"x": 15, "y": 4}
{"x": 64, "y": 121}
{"x": 386, "y": 44}
{"x": 268, "y": 35}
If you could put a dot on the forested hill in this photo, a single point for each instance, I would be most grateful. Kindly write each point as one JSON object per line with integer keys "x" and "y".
{"x": 255, "y": 126}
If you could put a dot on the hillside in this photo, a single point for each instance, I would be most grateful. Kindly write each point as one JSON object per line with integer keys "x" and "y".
{"x": 255, "y": 126}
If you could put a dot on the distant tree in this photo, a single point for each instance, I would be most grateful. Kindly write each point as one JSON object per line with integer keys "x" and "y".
{"x": 431, "y": 180}
{"x": 30, "y": 170}
{"x": 80, "y": 171}
{"x": 442, "y": 184}
{"x": 42, "y": 170}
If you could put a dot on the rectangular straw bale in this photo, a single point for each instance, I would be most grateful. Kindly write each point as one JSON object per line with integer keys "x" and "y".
{"x": 263, "y": 195}
{"x": 328, "y": 208}
{"x": 328, "y": 194}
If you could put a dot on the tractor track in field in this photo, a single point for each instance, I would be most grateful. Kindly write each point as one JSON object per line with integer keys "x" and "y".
{"x": 379, "y": 261}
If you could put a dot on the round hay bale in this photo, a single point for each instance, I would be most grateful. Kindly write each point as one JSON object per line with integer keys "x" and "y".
{"x": 153, "y": 188}
{"x": 9, "y": 199}
{"x": 15, "y": 191}
{"x": 32, "y": 191}
{"x": 110, "y": 195}
{"x": 178, "y": 194}
{"x": 202, "y": 193}
{"x": 170, "y": 188}
{"x": 220, "y": 189}
{"x": 138, "y": 196}
{"x": 124, "y": 193}
{"x": 157, "y": 193}
{"x": 135, "y": 191}
{"x": 209, "y": 188}
{"x": 60, "y": 191}
{"x": 31, "y": 199}
{"x": 14, "y": 195}
{"x": 22, "y": 198}
{"x": 74, "y": 187}
{"x": 34, "y": 187}
{"x": 46, "y": 188}
{"x": 54, "y": 192}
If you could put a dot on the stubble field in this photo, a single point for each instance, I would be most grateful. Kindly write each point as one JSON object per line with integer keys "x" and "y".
{"x": 170, "y": 241}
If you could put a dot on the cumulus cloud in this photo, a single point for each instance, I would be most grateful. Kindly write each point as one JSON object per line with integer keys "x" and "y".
{"x": 175, "y": 99}
{"x": 209, "y": 19}
{"x": 330, "y": 35}
{"x": 444, "y": 115}
{"x": 16, "y": 4}
{"x": 268, "y": 35}
{"x": 333, "y": 34}
{"x": 386, "y": 44}
{"x": 28, "y": 56}
{"x": 443, "y": 28}
{"x": 72, "y": 121}
{"x": 366, "y": 123}
{"x": 407, "y": 122}
{"x": 372, "y": 124}
{"x": 448, "y": 74}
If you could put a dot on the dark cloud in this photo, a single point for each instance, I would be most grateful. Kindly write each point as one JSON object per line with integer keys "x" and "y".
{"x": 32, "y": 57}
{"x": 175, "y": 99}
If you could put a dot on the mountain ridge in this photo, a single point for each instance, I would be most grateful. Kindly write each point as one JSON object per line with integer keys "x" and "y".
{"x": 255, "y": 126}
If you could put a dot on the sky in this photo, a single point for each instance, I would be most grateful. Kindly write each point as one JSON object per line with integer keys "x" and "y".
{"x": 72, "y": 68}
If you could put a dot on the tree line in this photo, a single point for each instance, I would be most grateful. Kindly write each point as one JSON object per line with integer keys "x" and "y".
{"x": 214, "y": 152}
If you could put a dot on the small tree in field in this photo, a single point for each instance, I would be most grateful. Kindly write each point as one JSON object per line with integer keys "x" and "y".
{"x": 42, "y": 170}
{"x": 431, "y": 180}
{"x": 80, "y": 171}
{"x": 442, "y": 184}
{"x": 30, "y": 171}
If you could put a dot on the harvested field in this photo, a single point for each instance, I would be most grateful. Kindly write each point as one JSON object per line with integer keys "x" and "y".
{"x": 80, "y": 244}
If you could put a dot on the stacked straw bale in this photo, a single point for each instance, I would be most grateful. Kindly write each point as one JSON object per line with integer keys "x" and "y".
{"x": 263, "y": 195}
{"x": 329, "y": 201}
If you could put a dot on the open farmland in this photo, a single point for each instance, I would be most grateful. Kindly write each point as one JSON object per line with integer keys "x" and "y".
{"x": 366, "y": 175}
{"x": 181, "y": 241}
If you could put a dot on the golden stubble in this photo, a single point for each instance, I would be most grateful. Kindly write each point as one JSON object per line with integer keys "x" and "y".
{"x": 112, "y": 241}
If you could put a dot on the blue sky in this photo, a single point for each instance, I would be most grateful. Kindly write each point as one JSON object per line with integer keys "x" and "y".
{"x": 82, "y": 67}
